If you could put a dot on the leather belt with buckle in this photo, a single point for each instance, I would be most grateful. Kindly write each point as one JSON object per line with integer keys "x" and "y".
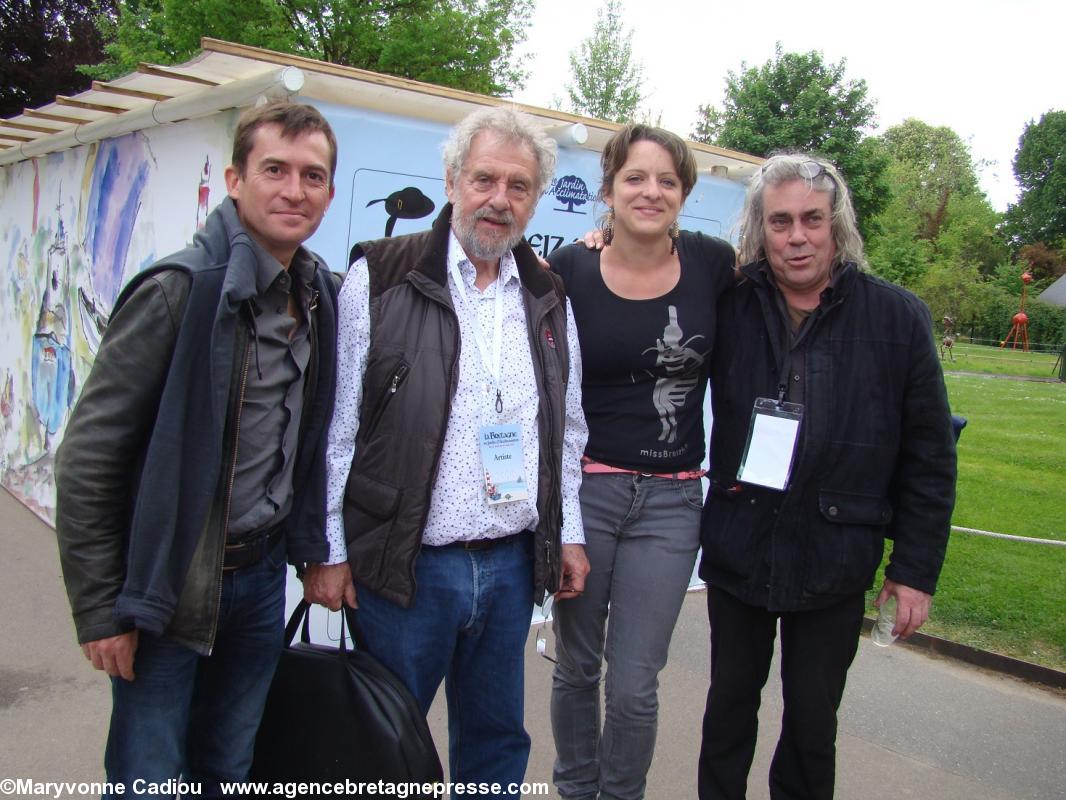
{"x": 251, "y": 550}
{"x": 590, "y": 467}
{"x": 480, "y": 544}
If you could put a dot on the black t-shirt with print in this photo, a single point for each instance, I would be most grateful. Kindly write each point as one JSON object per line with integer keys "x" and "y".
{"x": 645, "y": 362}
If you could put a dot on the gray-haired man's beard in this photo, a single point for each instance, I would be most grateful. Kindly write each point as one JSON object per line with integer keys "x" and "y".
{"x": 482, "y": 246}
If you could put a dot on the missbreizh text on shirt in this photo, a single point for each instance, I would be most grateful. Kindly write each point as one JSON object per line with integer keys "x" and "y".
{"x": 662, "y": 453}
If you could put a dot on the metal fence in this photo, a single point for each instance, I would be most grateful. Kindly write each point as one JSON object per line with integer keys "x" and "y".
{"x": 1034, "y": 347}
{"x": 1010, "y": 536}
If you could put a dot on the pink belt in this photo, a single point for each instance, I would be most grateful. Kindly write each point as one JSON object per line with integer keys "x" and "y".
{"x": 590, "y": 467}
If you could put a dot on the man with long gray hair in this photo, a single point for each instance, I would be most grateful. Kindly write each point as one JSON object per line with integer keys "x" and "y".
{"x": 831, "y": 433}
{"x": 454, "y": 452}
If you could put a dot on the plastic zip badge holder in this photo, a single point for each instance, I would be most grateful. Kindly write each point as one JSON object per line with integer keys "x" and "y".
{"x": 771, "y": 445}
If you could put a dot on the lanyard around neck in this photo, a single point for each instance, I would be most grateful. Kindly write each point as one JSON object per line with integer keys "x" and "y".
{"x": 491, "y": 361}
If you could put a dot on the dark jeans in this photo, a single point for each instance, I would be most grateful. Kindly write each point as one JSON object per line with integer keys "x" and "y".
{"x": 467, "y": 627}
{"x": 817, "y": 648}
{"x": 196, "y": 716}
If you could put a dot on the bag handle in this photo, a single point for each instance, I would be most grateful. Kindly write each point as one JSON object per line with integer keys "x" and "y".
{"x": 354, "y": 628}
{"x": 299, "y": 614}
{"x": 300, "y": 619}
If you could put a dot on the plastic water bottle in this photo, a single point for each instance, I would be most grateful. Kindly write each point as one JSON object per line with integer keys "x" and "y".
{"x": 881, "y": 634}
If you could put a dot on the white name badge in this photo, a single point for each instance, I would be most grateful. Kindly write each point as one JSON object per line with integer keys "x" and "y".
{"x": 771, "y": 445}
{"x": 503, "y": 464}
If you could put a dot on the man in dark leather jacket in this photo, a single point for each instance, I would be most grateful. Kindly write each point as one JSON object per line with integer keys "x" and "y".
{"x": 195, "y": 460}
{"x": 796, "y": 539}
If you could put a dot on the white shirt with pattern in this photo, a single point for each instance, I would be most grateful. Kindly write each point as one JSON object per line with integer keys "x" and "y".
{"x": 458, "y": 511}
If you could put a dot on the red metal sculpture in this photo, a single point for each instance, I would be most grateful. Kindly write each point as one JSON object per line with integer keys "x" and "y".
{"x": 1019, "y": 330}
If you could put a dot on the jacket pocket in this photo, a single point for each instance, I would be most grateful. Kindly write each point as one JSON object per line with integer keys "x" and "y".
{"x": 370, "y": 509}
{"x": 371, "y": 497}
{"x": 392, "y": 385}
{"x": 846, "y": 508}
{"x": 733, "y": 537}
{"x": 846, "y": 544}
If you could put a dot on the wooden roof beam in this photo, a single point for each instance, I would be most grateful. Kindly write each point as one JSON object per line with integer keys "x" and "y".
{"x": 98, "y": 86}
{"x": 21, "y": 126}
{"x": 62, "y": 100}
{"x": 159, "y": 72}
{"x": 29, "y": 112}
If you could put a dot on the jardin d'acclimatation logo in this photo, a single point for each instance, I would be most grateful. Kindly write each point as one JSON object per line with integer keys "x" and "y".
{"x": 571, "y": 191}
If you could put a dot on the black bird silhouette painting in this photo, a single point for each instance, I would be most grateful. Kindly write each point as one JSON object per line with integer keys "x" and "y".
{"x": 407, "y": 203}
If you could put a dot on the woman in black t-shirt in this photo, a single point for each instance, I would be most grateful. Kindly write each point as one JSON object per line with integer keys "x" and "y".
{"x": 645, "y": 311}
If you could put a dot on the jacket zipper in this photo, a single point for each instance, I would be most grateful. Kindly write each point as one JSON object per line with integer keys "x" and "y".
{"x": 447, "y": 413}
{"x": 229, "y": 492}
{"x": 555, "y": 471}
{"x": 398, "y": 377}
{"x": 310, "y": 389}
{"x": 551, "y": 569}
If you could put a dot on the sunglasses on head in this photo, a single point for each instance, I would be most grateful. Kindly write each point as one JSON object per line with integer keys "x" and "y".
{"x": 810, "y": 170}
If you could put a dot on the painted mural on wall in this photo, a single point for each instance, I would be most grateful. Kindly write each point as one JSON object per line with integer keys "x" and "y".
{"x": 74, "y": 227}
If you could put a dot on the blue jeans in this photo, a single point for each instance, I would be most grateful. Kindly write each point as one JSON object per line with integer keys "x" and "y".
{"x": 467, "y": 627}
{"x": 196, "y": 716}
{"x": 641, "y": 538}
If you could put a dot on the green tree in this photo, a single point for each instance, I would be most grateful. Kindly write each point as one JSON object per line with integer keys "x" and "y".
{"x": 895, "y": 252}
{"x": 606, "y": 79}
{"x": 466, "y": 44}
{"x": 42, "y": 44}
{"x": 169, "y": 31}
{"x": 935, "y": 166}
{"x": 953, "y": 291}
{"x": 1040, "y": 168}
{"x": 1043, "y": 261}
{"x": 796, "y": 101}
{"x": 938, "y": 223}
{"x": 970, "y": 234}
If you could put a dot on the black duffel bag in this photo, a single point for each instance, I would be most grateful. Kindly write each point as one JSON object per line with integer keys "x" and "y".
{"x": 336, "y": 714}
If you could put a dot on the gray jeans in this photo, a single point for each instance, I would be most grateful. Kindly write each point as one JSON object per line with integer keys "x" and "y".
{"x": 641, "y": 537}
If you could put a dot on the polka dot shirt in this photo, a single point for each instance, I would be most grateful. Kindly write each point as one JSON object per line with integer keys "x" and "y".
{"x": 458, "y": 510}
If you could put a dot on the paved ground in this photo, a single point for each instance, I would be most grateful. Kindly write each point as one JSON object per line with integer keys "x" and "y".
{"x": 911, "y": 726}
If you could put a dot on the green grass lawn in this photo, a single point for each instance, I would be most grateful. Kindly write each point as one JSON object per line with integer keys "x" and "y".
{"x": 1012, "y": 456}
{"x": 1000, "y": 361}
{"x": 996, "y": 594}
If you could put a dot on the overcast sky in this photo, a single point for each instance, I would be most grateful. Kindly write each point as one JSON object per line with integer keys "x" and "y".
{"x": 984, "y": 67}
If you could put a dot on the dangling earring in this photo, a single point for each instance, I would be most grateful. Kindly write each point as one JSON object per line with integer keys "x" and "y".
{"x": 675, "y": 234}
{"x": 607, "y": 228}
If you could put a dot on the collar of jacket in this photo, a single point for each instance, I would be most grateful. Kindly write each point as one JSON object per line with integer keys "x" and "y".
{"x": 433, "y": 263}
{"x": 227, "y": 242}
{"x": 840, "y": 286}
{"x": 239, "y": 284}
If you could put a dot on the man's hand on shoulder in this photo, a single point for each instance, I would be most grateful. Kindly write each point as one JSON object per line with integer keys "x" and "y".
{"x": 329, "y": 585}
{"x": 114, "y": 655}
{"x": 593, "y": 239}
{"x": 575, "y": 569}
{"x": 912, "y": 606}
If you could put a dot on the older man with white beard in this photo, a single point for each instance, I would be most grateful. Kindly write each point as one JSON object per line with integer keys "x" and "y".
{"x": 454, "y": 452}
